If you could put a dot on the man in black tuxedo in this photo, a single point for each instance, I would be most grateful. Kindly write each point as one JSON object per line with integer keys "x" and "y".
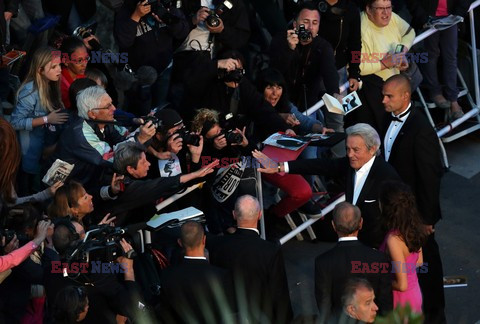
{"x": 194, "y": 290}
{"x": 412, "y": 147}
{"x": 362, "y": 170}
{"x": 258, "y": 269}
{"x": 347, "y": 259}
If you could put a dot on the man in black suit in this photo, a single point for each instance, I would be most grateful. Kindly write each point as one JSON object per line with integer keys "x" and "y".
{"x": 411, "y": 146}
{"x": 362, "y": 170}
{"x": 350, "y": 258}
{"x": 261, "y": 287}
{"x": 194, "y": 290}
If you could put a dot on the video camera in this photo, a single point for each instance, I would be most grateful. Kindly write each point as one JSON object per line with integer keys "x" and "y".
{"x": 100, "y": 244}
{"x": 304, "y": 34}
{"x": 162, "y": 9}
{"x": 213, "y": 19}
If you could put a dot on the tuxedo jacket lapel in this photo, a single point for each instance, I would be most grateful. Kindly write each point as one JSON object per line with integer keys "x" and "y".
{"x": 369, "y": 182}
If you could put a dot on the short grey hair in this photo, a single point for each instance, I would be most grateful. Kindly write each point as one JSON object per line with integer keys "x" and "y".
{"x": 127, "y": 154}
{"x": 247, "y": 208}
{"x": 368, "y": 133}
{"x": 89, "y": 99}
{"x": 346, "y": 218}
{"x": 350, "y": 290}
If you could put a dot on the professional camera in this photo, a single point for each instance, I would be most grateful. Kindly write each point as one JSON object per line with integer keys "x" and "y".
{"x": 304, "y": 35}
{"x": 87, "y": 31}
{"x": 100, "y": 244}
{"x": 232, "y": 137}
{"x": 9, "y": 234}
{"x": 155, "y": 121}
{"x": 162, "y": 9}
{"x": 213, "y": 19}
{"x": 231, "y": 76}
{"x": 187, "y": 137}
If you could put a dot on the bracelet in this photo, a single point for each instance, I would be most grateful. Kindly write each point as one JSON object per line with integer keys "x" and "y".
{"x": 278, "y": 168}
{"x": 381, "y": 61}
{"x": 45, "y": 120}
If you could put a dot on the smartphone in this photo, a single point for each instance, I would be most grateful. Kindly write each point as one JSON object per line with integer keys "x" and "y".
{"x": 399, "y": 48}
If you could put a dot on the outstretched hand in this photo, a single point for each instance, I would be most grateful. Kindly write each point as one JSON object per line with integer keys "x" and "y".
{"x": 269, "y": 165}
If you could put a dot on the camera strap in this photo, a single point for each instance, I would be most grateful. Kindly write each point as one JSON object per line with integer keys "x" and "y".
{"x": 235, "y": 101}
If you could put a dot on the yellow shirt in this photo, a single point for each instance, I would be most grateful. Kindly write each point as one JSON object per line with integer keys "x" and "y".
{"x": 378, "y": 41}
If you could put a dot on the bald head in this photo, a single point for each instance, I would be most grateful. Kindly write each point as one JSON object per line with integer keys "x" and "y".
{"x": 247, "y": 211}
{"x": 347, "y": 219}
{"x": 400, "y": 82}
{"x": 191, "y": 235}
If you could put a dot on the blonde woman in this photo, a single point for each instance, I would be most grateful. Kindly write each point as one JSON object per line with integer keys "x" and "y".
{"x": 38, "y": 106}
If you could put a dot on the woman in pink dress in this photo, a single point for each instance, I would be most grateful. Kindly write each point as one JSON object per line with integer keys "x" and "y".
{"x": 403, "y": 242}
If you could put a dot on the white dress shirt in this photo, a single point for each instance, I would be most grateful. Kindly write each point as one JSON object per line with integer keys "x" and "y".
{"x": 360, "y": 178}
{"x": 393, "y": 130}
{"x": 347, "y": 238}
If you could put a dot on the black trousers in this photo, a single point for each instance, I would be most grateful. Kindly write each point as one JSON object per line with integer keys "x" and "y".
{"x": 431, "y": 283}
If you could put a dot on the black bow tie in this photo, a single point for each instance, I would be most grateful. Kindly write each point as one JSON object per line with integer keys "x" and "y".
{"x": 398, "y": 118}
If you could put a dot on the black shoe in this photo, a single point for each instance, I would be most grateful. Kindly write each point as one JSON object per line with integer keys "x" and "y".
{"x": 311, "y": 208}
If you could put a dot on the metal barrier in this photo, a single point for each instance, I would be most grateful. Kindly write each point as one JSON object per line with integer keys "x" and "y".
{"x": 472, "y": 113}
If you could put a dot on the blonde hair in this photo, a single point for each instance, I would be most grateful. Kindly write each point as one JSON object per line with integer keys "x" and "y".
{"x": 48, "y": 91}
{"x": 204, "y": 115}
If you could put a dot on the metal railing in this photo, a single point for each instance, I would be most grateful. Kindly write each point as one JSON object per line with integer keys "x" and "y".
{"x": 474, "y": 112}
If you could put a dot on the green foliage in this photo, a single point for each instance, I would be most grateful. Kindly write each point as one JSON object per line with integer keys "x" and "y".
{"x": 401, "y": 315}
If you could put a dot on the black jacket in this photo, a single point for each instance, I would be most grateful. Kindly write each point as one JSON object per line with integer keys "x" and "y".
{"x": 305, "y": 67}
{"x": 415, "y": 155}
{"x": 85, "y": 8}
{"x": 194, "y": 291}
{"x": 144, "y": 44}
{"x": 259, "y": 273}
{"x": 334, "y": 267}
{"x": 10, "y": 6}
{"x": 422, "y": 9}
{"x": 340, "y": 26}
{"x": 372, "y": 232}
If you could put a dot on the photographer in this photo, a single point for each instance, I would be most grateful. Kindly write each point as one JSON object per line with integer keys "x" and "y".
{"x": 108, "y": 295}
{"x": 26, "y": 279}
{"x": 173, "y": 148}
{"x": 215, "y": 26}
{"x": 149, "y": 32}
{"x": 305, "y": 59}
{"x": 229, "y": 147}
{"x": 221, "y": 86}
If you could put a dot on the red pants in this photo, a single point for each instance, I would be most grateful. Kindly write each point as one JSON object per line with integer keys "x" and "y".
{"x": 295, "y": 186}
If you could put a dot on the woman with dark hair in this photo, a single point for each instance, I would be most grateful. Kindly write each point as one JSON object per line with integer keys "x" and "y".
{"x": 298, "y": 191}
{"x": 403, "y": 242}
{"x": 75, "y": 58}
{"x": 71, "y": 305}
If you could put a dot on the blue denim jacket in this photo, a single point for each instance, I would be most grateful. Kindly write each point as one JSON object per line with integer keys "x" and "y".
{"x": 31, "y": 139}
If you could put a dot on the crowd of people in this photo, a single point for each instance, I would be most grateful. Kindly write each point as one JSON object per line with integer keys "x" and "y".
{"x": 204, "y": 83}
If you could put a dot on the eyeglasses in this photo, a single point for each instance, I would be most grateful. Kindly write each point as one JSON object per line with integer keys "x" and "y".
{"x": 106, "y": 107}
{"x": 81, "y": 60}
{"x": 382, "y": 9}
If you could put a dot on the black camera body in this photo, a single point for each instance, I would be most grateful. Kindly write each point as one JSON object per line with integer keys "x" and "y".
{"x": 231, "y": 76}
{"x": 101, "y": 244}
{"x": 304, "y": 35}
{"x": 155, "y": 121}
{"x": 232, "y": 137}
{"x": 187, "y": 137}
{"x": 213, "y": 18}
{"x": 162, "y": 9}
{"x": 87, "y": 31}
{"x": 7, "y": 234}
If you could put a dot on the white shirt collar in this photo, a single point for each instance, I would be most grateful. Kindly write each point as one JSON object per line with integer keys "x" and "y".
{"x": 366, "y": 167}
{"x": 250, "y": 228}
{"x": 405, "y": 116}
{"x": 194, "y": 258}
{"x": 347, "y": 238}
